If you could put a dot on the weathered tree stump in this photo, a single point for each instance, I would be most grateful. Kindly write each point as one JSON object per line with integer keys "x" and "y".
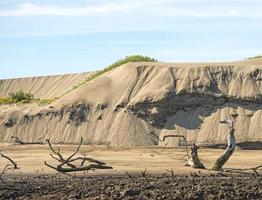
{"x": 194, "y": 160}
{"x": 230, "y": 147}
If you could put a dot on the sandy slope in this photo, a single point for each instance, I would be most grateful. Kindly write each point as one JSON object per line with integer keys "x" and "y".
{"x": 44, "y": 87}
{"x": 123, "y": 106}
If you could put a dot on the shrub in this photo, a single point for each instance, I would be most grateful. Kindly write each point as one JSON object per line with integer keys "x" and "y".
{"x": 255, "y": 57}
{"x": 21, "y": 96}
{"x": 5, "y": 100}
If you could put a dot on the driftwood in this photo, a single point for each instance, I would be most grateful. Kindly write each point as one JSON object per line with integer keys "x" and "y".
{"x": 11, "y": 166}
{"x": 10, "y": 160}
{"x": 69, "y": 162}
{"x": 256, "y": 171}
{"x": 194, "y": 160}
{"x": 17, "y": 140}
{"x": 230, "y": 146}
{"x": 168, "y": 136}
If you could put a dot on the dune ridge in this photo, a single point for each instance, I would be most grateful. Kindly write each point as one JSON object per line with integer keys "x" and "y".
{"x": 124, "y": 106}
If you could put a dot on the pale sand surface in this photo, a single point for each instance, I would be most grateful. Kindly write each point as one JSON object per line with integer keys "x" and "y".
{"x": 122, "y": 106}
{"x": 30, "y": 158}
{"x": 44, "y": 87}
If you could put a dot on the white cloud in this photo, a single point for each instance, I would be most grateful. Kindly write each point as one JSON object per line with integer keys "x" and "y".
{"x": 175, "y": 8}
{"x": 56, "y": 10}
{"x": 129, "y": 15}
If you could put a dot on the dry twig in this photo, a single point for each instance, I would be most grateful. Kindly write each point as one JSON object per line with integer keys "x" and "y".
{"x": 94, "y": 164}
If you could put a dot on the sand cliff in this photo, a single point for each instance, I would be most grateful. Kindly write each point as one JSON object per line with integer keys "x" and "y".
{"x": 125, "y": 105}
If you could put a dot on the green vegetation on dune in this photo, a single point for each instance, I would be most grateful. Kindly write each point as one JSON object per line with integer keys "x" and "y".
{"x": 5, "y": 100}
{"x": 17, "y": 97}
{"x": 127, "y": 59}
{"x": 23, "y": 97}
{"x": 255, "y": 57}
{"x": 44, "y": 101}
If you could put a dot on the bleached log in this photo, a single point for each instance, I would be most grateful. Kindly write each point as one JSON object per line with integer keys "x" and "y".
{"x": 231, "y": 140}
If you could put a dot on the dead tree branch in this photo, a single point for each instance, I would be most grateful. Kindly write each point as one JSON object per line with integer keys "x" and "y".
{"x": 192, "y": 159}
{"x": 17, "y": 140}
{"x": 93, "y": 164}
{"x": 11, "y": 166}
{"x": 256, "y": 171}
{"x": 60, "y": 157}
{"x": 231, "y": 144}
{"x": 11, "y": 160}
{"x": 7, "y": 167}
{"x": 171, "y": 136}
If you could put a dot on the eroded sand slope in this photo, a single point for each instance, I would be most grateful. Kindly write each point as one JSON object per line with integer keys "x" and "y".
{"x": 44, "y": 87}
{"x": 124, "y": 106}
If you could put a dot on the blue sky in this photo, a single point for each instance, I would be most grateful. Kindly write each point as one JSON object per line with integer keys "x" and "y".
{"x": 44, "y": 37}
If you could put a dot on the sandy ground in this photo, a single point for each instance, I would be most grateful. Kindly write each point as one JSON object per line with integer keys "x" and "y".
{"x": 36, "y": 181}
{"x": 30, "y": 158}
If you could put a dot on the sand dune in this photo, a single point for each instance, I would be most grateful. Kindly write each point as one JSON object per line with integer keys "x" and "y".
{"x": 45, "y": 87}
{"x": 123, "y": 106}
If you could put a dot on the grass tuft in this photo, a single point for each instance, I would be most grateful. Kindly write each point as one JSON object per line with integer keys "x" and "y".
{"x": 127, "y": 59}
